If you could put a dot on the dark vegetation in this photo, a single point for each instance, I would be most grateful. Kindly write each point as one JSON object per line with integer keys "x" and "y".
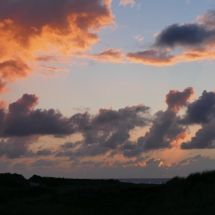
{"x": 192, "y": 195}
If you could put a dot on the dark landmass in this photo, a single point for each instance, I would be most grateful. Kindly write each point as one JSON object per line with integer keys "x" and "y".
{"x": 46, "y": 195}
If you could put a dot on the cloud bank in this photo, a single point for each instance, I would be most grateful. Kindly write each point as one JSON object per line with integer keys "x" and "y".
{"x": 108, "y": 134}
{"x": 109, "y": 131}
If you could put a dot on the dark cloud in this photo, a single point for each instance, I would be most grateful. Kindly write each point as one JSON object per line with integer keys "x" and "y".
{"x": 38, "y": 122}
{"x": 203, "y": 139}
{"x": 70, "y": 145}
{"x": 127, "y": 117}
{"x": 44, "y": 163}
{"x": 106, "y": 131}
{"x": 5, "y": 165}
{"x": 20, "y": 166}
{"x": 23, "y": 105}
{"x": 162, "y": 134}
{"x": 176, "y": 99}
{"x": 202, "y": 110}
{"x": 23, "y": 120}
{"x": 101, "y": 133}
{"x": 16, "y": 147}
{"x": 194, "y": 42}
{"x": 43, "y": 152}
{"x": 155, "y": 57}
{"x": 164, "y": 131}
{"x": 109, "y": 128}
{"x": 184, "y": 35}
{"x": 116, "y": 139}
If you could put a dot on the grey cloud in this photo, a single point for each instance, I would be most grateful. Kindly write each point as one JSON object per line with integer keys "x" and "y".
{"x": 203, "y": 139}
{"x": 194, "y": 40}
{"x": 106, "y": 131}
{"x": 23, "y": 120}
{"x": 70, "y": 145}
{"x": 127, "y": 117}
{"x": 116, "y": 139}
{"x": 44, "y": 163}
{"x": 193, "y": 164}
{"x": 65, "y": 153}
{"x": 152, "y": 56}
{"x": 184, "y": 35}
{"x": 23, "y": 105}
{"x": 5, "y": 165}
{"x": 111, "y": 127}
{"x": 15, "y": 147}
{"x": 82, "y": 151}
{"x": 163, "y": 132}
{"x": 109, "y": 130}
{"x": 200, "y": 111}
{"x": 43, "y": 152}
{"x": 19, "y": 166}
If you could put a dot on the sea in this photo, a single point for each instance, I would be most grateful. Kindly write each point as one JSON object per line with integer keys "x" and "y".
{"x": 144, "y": 180}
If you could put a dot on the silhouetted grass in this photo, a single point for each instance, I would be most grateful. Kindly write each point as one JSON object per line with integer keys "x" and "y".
{"x": 192, "y": 195}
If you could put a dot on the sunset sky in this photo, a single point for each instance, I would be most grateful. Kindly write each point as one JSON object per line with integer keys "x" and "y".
{"x": 107, "y": 89}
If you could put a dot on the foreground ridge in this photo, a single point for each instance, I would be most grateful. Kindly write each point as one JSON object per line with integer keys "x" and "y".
{"x": 49, "y": 195}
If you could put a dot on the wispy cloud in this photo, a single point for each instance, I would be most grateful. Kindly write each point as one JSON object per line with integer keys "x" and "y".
{"x": 127, "y": 2}
{"x": 108, "y": 55}
{"x": 139, "y": 38}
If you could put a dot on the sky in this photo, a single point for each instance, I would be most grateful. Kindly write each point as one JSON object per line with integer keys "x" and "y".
{"x": 107, "y": 89}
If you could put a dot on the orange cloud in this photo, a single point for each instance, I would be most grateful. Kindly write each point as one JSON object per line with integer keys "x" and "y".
{"x": 51, "y": 72}
{"x": 47, "y": 58}
{"x": 152, "y": 57}
{"x": 2, "y": 104}
{"x": 108, "y": 55}
{"x": 196, "y": 55}
{"x": 176, "y": 99}
{"x": 60, "y": 28}
{"x": 13, "y": 69}
{"x": 2, "y": 87}
{"x": 53, "y": 69}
